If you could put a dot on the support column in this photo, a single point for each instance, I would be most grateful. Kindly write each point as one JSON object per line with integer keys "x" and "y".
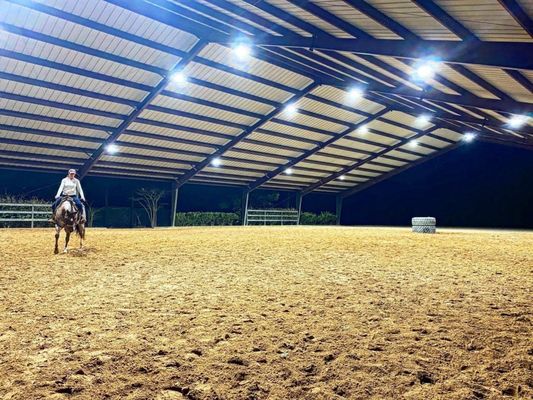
{"x": 299, "y": 198}
{"x": 106, "y": 205}
{"x": 174, "y": 204}
{"x": 244, "y": 206}
{"x": 338, "y": 209}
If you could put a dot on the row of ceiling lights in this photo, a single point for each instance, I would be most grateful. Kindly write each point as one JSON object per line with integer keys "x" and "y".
{"x": 422, "y": 72}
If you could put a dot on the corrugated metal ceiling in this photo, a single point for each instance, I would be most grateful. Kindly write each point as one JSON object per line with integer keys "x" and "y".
{"x": 67, "y": 83}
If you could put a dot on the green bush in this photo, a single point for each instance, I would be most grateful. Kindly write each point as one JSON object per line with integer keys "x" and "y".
{"x": 206, "y": 219}
{"x": 324, "y": 218}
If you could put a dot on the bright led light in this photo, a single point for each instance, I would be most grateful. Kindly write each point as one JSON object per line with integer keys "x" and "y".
{"x": 341, "y": 177}
{"x": 355, "y": 93}
{"x": 423, "y": 120}
{"x": 517, "y": 121}
{"x": 469, "y": 136}
{"x": 289, "y": 171}
{"x": 242, "y": 51}
{"x": 424, "y": 71}
{"x": 413, "y": 143}
{"x": 111, "y": 148}
{"x": 179, "y": 77}
{"x": 216, "y": 162}
{"x": 291, "y": 109}
{"x": 363, "y": 129}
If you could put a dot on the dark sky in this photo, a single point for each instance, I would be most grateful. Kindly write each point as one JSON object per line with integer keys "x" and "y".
{"x": 476, "y": 185}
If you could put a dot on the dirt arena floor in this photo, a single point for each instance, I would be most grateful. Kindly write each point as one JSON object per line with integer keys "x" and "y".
{"x": 267, "y": 313}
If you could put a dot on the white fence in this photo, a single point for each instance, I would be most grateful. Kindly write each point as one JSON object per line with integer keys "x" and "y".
{"x": 272, "y": 217}
{"x": 11, "y": 213}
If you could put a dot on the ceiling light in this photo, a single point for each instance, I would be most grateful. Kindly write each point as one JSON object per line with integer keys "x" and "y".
{"x": 111, "y": 149}
{"x": 291, "y": 110}
{"x": 413, "y": 143}
{"x": 362, "y": 129}
{"x": 355, "y": 93}
{"x": 179, "y": 77}
{"x": 422, "y": 120}
{"x": 341, "y": 177}
{"x": 517, "y": 121}
{"x": 242, "y": 51}
{"x": 216, "y": 162}
{"x": 424, "y": 71}
{"x": 289, "y": 171}
{"x": 469, "y": 136}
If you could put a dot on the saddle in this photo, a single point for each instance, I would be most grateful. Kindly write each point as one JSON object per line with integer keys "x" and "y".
{"x": 73, "y": 207}
{"x": 69, "y": 199}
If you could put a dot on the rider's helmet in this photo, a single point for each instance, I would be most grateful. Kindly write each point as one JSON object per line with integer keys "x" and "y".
{"x": 72, "y": 171}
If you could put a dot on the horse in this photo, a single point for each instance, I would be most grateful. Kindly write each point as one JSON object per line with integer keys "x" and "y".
{"x": 68, "y": 217}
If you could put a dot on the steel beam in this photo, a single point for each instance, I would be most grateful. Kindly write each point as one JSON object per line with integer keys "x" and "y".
{"x": 248, "y": 131}
{"x": 513, "y": 55}
{"x": 174, "y": 204}
{"x": 518, "y": 13}
{"x": 314, "y": 150}
{"x": 66, "y": 89}
{"x": 381, "y": 18}
{"x": 61, "y": 106}
{"x": 466, "y": 100}
{"x": 54, "y": 120}
{"x": 338, "y": 209}
{"x": 80, "y": 48}
{"x": 350, "y": 168}
{"x": 244, "y": 206}
{"x": 358, "y": 188}
{"x": 445, "y": 19}
{"x": 141, "y": 107}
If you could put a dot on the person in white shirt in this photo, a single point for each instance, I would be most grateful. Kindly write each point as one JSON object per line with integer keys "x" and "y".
{"x": 70, "y": 186}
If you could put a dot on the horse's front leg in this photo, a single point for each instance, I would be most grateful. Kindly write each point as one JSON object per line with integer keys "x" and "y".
{"x": 67, "y": 238}
{"x": 58, "y": 229}
{"x": 81, "y": 230}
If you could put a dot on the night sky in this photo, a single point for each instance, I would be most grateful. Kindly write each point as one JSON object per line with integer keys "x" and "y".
{"x": 476, "y": 185}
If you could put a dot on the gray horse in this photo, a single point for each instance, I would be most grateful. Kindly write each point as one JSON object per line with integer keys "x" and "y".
{"x": 68, "y": 217}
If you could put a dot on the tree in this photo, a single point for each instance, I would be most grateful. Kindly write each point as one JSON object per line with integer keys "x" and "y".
{"x": 149, "y": 200}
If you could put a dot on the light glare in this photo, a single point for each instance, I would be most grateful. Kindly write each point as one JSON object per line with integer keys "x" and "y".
{"x": 342, "y": 177}
{"x": 179, "y": 78}
{"x": 355, "y": 93}
{"x": 216, "y": 162}
{"x": 111, "y": 148}
{"x": 425, "y": 71}
{"x": 291, "y": 109}
{"x": 289, "y": 171}
{"x": 413, "y": 143}
{"x": 517, "y": 121}
{"x": 423, "y": 120}
{"x": 469, "y": 136}
{"x": 242, "y": 51}
{"x": 363, "y": 129}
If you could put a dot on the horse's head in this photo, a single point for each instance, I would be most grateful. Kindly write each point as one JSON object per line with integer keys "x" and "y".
{"x": 67, "y": 213}
{"x": 70, "y": 217}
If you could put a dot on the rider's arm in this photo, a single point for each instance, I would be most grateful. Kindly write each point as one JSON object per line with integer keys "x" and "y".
{"x": 80, "y": 190}
{"x": 61, "y": 187}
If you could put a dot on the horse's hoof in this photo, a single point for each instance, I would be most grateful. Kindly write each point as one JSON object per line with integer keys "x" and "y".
{"x": 65, "y": 251}
{"x": 56, "y": 251}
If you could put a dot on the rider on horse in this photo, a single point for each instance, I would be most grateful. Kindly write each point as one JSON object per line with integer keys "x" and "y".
{"x": 70, "y": 187}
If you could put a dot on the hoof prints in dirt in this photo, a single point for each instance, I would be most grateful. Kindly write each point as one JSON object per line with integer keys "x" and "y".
{"x": 83, "y": 252}
{"x": 316, "y": 313}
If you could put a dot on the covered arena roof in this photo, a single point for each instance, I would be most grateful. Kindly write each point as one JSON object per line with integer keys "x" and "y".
{"x": 335, "y": 95}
